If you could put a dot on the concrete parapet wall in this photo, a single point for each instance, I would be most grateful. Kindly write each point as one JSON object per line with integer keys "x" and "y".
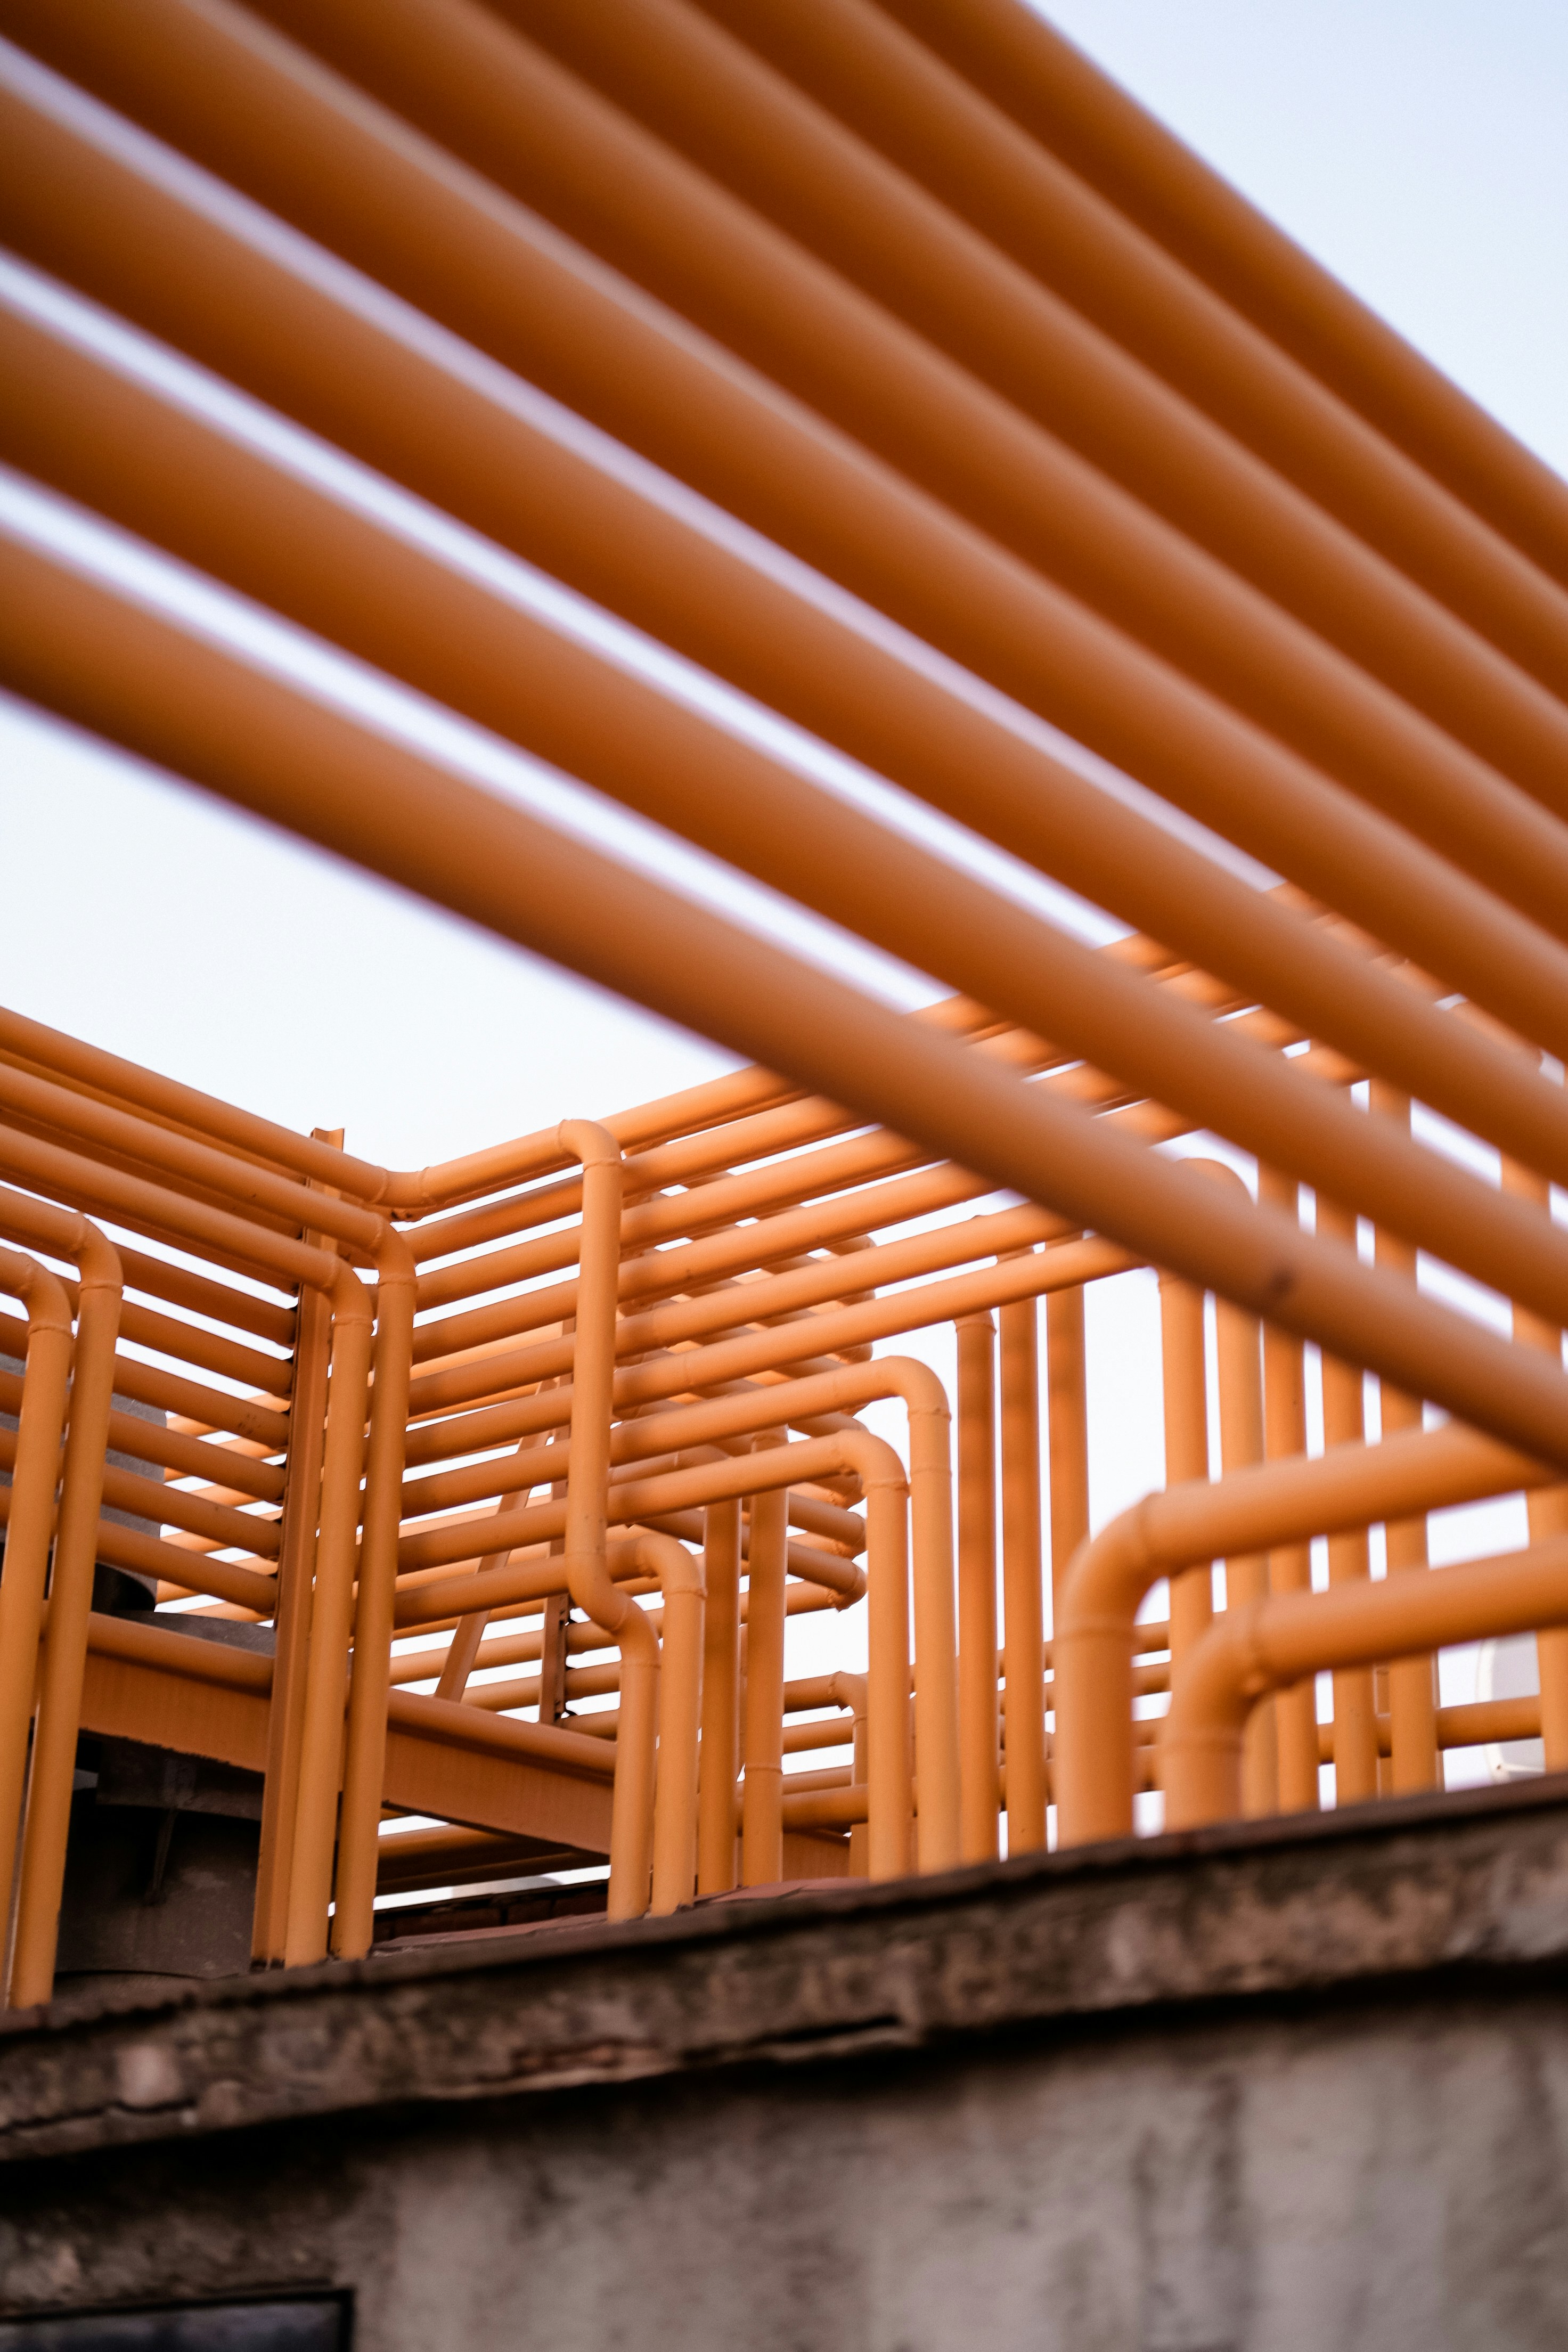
{"x": 1299, "y": 2085}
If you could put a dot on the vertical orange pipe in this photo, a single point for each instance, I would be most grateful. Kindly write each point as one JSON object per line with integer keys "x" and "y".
{"x": 762, "y": 1790}
{"x": 1548, "y": 1507}
{"x": 296, "y": 1582}
{"x": 978, "y": 1718}
{"x": 890, "y": 1815}
{"x": 331, "y": 1615}
{"x": 1415, "y": 1761}
{"x": 1066, "y": 1432}
{"x": 924, "y": 1504}
{"x": 1184, "y": 1383}
{"x": 1023, "y": 1618}
{"x": 1066, "y": 1441}
{"x": 29, "y": 1528}
{"x": 1355, "y": 1721}
{"x": 1238, "y": 1339}
{"x": 584, "y": 1560}
{"x": 1290, "y": 1565}
{"x": 364, "y": 1770}
{"x": 720, "y": 1751}
{"x": 680, "y": 1712}
{"x": 850, "y": 1691}
{"x": 1238, "y": 1368}
{"x": 70, "y": 1605}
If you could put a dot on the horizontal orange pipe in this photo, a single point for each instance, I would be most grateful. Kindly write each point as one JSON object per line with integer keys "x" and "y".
{"x": 925, "y": 401}
{"x": 1247, "y": 1512}
{"x": 1251, "y": 1651}
{"x": 1210, "y": 764}
{"x": 115, "y": 666}
{"x": 624, "y": 736}
{"x": 1055, "y": 95}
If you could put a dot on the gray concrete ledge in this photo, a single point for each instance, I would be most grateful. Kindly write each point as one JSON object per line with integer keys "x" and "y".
{"x": 1465, "y": 1893}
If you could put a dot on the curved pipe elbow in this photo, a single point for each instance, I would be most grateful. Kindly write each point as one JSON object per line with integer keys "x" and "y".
{"x": 1200, "y": 1741}
{"x": 913, "y": 1383}
{"x": 589, "y": 1143}
{"x": 1109, "y": 1574}
{"x": 69, "y": 1234}
{"x": 587, "y": 1576}
{"x": 97, "y": 1260}
{"x": 678, "y": 1569}
{"x": 872, "y": 1458}
{"x": 351, "y": 1300}
{"x": 394, "y": 1260}
{"x": 41, "y": 1293}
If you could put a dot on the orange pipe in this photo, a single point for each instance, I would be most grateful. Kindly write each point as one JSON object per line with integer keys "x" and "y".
{"x": 671, "y": 1797}
{"x": 611, "y": 362}
{"x": 311, "y": 1871}
{"x": 331, "y": 1615}
{"x": 1548, "y": 1507}
{"x": 1443, "y": 926}
{"x": 979, "y": 1726}
{"x": 154, "y": 688}
{"x": 1290, "y": 1565}
{"x": 30, "y": 1525}
{"x": 1172, "y": 199}
{"x": 63, "y": 1662}
{"x": 1268, "y": 1643}
{"x": 1022, "y": 1577}
{"x": 720, "y": 1750}
{"x": 1415, "y": 1758}
{"x": 1185, "y": 1393}
{"x": 547, "y": 139}
{"x": 303, "y": 1438}
{"x": 762, "y": 1750}
{"x": 882, "y": 1475}
{"x": 1239, "y": 1379}
{"x": 1355, "y": 1727}
{"x": 931, "y": 1492}
{"x": 181, "y": 1159}
{"x": 624, "y": 736}
{"x": 364, "y": 1761}
{"x": 1251, "y": 1511}
{"x": 1240, "y": 1368}
{"x": 256, "y": 1188}
{"x": 1067, "y": 1430}
{"x": 1061, "y": 831}
{"x": 583, "y": 1567}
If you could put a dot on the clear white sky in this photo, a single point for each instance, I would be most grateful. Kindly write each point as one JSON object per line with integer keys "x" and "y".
{"x": 1417, "y": 146}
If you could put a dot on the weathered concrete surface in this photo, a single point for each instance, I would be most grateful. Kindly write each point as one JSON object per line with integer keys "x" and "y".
{"x": 1294, "y": 2087}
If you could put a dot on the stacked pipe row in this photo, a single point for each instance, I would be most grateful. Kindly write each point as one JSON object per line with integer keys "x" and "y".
{"x": 1015, "y": 389}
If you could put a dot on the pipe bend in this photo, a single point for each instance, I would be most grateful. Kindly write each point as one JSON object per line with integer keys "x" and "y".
{"x": 394, "y": 1261}
{"x": 351, "y": 1300}
{"x": 589, "y": 1143}
{"x": 1109, "y": 1574}
{"x": 1200, "y": 1740}
{"x": 1223, "y": 1676}
{"x": 1220, "y": 1171}
{"x": 678, "y": 1569}
{"x": 914, "y": 1384}
{"x": 877, "y": 1462}
{"x": 97, "y": 1260}
{"x": 65, "y": 1231}
{"x": 43, "y": 1294}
